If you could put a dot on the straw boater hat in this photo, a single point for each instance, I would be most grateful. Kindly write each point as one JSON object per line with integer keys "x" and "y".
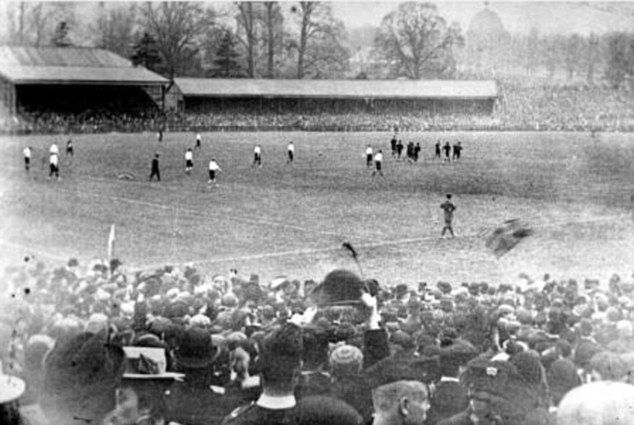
{"x": 11, "y": 388}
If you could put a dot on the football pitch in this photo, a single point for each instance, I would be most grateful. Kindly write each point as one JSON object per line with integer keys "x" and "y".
{"x": 574, "y": 190}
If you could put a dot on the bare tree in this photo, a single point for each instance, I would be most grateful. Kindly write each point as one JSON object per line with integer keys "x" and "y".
{"x": 273, "y": 36}
{"x": 593, "y": 56}
{"x": 551, "y": 54}
{"x": 247, "y": 23}
{"x": 417, "y": 41}
{"x": 531, "y": 51}
{"x": 34, "y": 23}
{"x": 115, "y": 28}
{"x": 320, "y": 50}
{"x": 178, "y": 28}
{"x": 572, "y": 50}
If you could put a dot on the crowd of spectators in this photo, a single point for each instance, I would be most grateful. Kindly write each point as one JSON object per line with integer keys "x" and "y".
{"x": 343, "y": 350}
{"x": 565, "y": 108}
{"x": 519, "y": 108}
{"x": 90, "y": 121}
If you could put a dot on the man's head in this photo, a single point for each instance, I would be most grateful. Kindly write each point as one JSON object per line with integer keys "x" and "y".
{"x": 449, "y": 196}
{"x": 280, "y": 358}
{"x": 401, "y": 402}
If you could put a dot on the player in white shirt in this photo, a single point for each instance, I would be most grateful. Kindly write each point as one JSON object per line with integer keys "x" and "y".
{"x": 27, "y": 158}
{"x": 53, "y": 149}
{"x": 199, "y": 140}
{"x": 378, "y": 161}
{"x": 189, "y": 160}
{"x": 291, "y": 152}
{"x": 257, "y": 156}
{"x": 369, "y": 154}
{"x": 213, "y": 168}
{"x": 53, "y": 161}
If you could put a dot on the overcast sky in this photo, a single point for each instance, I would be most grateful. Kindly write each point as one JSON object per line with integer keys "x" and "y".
{"x": 547, "y": 17}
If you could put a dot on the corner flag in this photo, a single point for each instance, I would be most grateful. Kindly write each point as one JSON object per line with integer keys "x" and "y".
{"x": 111, "y": 239}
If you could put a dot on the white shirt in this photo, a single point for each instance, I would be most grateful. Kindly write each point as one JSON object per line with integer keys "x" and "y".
{"x": 276, "y": 403}
{"x": 198, "y": 137}
{"x": 257, "y": 150}
{"x": 213, "y": 166}
{"x": 54, "y": 149}
{"x": 291, "y": 147}
{"x": 378, "y": 157}
{"x": 368, "y": 151}
{"x": 189, "y": 155}
{"x": 53, "y": 160}
{"x": 27, "y": 152}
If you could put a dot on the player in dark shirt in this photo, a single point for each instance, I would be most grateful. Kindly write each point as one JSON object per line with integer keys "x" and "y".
{"x": 399, "y": 149}
{"x": 448, "y": 208}
{"x": 393, "y": 143}
{"x": 155, "y": 168}
{"x": 447, "y": 149}
{"x": 417, "y": 149}
{"x": 438, "y": 149}
{"x": 69, "y": 148}
{"x": 457, "y": 148}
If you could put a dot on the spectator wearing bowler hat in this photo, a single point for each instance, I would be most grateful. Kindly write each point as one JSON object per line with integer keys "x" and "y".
{"x": 199, "y": 399}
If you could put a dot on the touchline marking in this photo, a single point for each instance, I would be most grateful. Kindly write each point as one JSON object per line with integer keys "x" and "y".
{"x": 30, "y": 250}
{"x": 308, "y": 251}
{"x": 254, "y": 220}
{"x": 362, "y": 245}
{"x": 235, "y": 218}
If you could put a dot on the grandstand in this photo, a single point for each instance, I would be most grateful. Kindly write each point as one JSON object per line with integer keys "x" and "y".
{"x": 74, "y": 80}
{"x": 339, "y": 96}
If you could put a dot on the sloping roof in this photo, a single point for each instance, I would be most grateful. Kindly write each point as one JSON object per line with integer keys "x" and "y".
{"x": 338, "y": 89}
{"x": 71, "y": 65}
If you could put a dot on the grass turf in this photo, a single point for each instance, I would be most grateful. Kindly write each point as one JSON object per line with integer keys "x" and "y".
{"x": 576, "y": 191}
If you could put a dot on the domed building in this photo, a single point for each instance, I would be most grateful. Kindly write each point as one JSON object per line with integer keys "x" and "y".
{"x": 486, "y": 40}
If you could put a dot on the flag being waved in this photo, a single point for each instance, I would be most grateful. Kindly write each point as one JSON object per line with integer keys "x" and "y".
{"x": 111, "y": 240}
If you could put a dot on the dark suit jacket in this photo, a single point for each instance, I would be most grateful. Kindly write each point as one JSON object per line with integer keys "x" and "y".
{"x": 449, "y": 399}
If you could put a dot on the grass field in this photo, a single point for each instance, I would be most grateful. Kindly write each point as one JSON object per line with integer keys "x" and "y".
{"x": 574, "y": 190}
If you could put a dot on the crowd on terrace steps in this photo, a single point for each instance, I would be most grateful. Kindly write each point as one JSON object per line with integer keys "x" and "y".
{"x": 234, "y": 349}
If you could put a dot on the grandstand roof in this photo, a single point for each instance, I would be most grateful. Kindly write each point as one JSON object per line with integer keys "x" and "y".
{"x": 337, "y": 89}
{"x": 71, "y": 65}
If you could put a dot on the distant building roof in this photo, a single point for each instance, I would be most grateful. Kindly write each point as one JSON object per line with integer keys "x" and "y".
{"x": 338, "y": 89}
{"x": 71, "y": 65}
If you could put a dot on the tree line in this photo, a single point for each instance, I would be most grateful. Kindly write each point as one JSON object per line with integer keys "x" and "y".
{"x": 305, "y": 40}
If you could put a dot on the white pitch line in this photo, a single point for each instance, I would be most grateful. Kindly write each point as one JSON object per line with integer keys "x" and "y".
{"x": 30, "y": 250}
{"x": 245, "y": 218}
{"x": 233, "y": 217}
{"x": 363, "y": 245}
